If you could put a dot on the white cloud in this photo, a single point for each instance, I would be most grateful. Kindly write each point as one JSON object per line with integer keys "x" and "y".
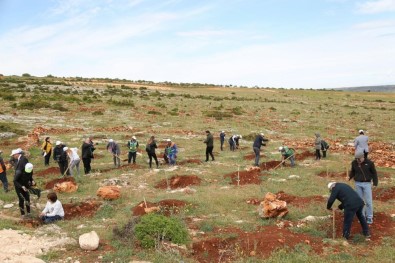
{"x": 378, "y": 6}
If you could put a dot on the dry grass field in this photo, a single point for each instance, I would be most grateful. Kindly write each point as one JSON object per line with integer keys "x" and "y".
{"x": 215, "y": 201}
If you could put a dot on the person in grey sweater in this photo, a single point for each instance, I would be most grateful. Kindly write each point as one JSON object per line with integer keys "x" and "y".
{"x": 114, "y": 148}
{"x": 210, "y": 145}
{"x": 361, "y": 144}
{"x": 317, "y": 144}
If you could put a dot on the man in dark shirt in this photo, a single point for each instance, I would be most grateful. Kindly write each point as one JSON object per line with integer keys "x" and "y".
{"x": 210, "y": 145}
{"x": 352, "y": 205}
{"x": 259, "y": 141}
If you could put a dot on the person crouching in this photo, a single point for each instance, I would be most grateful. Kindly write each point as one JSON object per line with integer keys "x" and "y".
{"x": 53, "y": 210}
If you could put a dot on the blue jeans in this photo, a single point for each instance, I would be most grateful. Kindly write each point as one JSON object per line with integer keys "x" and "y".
{"x": 348, "y": 218}
{"x": 50, "y": 219}
{"x": 364, "y": 190}
{"x": 292, "y": 160}
{"x": 257, "y": 153}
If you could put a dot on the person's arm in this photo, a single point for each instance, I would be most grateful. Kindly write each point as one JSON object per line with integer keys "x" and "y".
{"x": 351, "y": 173}
{"x": 374, "y": 174}
{"x": 18, "y": 174}
{"x": 46, "y": 209}
{"x": 331, "y": 199}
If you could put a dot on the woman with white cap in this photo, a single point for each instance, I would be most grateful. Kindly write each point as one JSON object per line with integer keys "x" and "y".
{"x": 23, "y": 180}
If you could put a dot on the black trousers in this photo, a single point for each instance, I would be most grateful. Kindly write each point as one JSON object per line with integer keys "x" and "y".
{"x": 150, "y": 156}
{"x": 317, "y": 154}
{"x": 63, "y": 167}
{"x": 87, "y": 165}
{"x": 24, "y": 200}
{"x": 209, "y": 151}
{"x": 132, "y": 155}
{"x": 47, "y": 157}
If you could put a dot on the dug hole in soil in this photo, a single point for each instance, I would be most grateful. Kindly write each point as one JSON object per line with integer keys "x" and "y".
{"x": 52, "y": 183}
{"x": 48, "y": 171}
{"x": 244, "y": 177}
{"x": 298, "y": 201}
{"x": 178, "y": 182}
{"x": 83, "y": 209}
{"x": 190, "y": 161}
{"x": 166, "y": 207}
{"x": 235, "y": 243}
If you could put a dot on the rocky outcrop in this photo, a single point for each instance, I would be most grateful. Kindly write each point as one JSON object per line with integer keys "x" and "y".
{"x": 109, "y": 192}
{"x": 65, "y": 187}
{"x": 89, "y": 241}
{"x": 271, "y": 207}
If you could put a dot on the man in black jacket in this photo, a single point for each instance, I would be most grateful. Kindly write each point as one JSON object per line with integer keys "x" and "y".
{"x": 352, "y": 205}
{"x": 87, "y": 149}
{"x": 210, "y": 145}
{"x": 259, "y": 141}
{"x": 60, "y": 156}
{"x": 364, "y": 172}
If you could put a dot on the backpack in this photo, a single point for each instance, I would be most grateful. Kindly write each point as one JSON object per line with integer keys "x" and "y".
{"x": 324, "y": 145}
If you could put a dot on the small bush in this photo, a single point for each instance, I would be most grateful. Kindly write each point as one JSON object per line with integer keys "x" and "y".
{"x": 59, "y": 107}
{"x": 97, "y": 113}
{"x": 154, "y": 228}
{"x": 154, "y": 112}
{"x": 33, "y": 104}
{"x": 8, "y": 97}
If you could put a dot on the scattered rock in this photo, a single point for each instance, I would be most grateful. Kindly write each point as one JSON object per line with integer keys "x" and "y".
{"x": 109, "y": 192}
{"x": 314, "y": 218}
{"x": 114, "y": 181}
{"x": 271, "y": 207}
{"x": 277, "y": 180}
{"x": 294, "y": 176}
{"x": 186, "y": 190}
{"x": 8, "y": 206}
{"x": 65, "y": 187}
{"x": 89, "y": 241}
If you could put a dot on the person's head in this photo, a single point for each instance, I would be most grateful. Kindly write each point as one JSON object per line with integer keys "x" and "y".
{"x": 281, "y": 148}
{"x": 28, "y": 168}
{"x": 110, "y": 140}
{"x": 359, "y": 156}
{"x": 261, "y": 134}
{"x": 16, "y": 153}
{"x": 134, "y": 138}
{"x": 207, "y": 131}
{"x": 58, "y": 143}
{"x": 331, "y": 185}
{"x": 361, "y": 132}
{"x": 66, "y": 149}
{"x": 168, "y": 141}
{"x": 87, "y": 140}
{"x": 52, "y": 197}
{"x": 223, "y": 131}
{"x": 240, "y": 137}
{"x": 317, "y": 134}
{"x": 47, "y": 139}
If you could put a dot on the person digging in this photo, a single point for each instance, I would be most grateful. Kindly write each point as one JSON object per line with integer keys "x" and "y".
{"x": 287, "y": 154}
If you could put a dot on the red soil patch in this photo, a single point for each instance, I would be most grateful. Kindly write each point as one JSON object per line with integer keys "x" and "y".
{"x": 179, "y": 182}
{"x": 300, "y": 201}
{"x": 83, "y": 209}
{"x": 235, "y": 243}
{"x": 42, "y": 130}
{"x": 332, "y": 174}
{"x": 166, "y": 207}
{"x": 383, "y": 226}
{"x": 304, "y": 155}
{"x": 252, "y": 156}
{"x": 193, "y": 161}
{"x": 384, "y": 194}
{"x": 123, "y": 167}
{"x": 269, "y": 165}
{"x": 244, "y": 177}
{"x": 30, "y": 223}
{"x": 48, "y": 171}
{"x": 52, "y": 183}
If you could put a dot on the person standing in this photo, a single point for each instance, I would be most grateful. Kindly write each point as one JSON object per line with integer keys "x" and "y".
{"x": 352, "y": 205}
{"x": 317, "y": 143}
{"x": 364, "y": 172}
{"x": 53, "y": 210}
{"x": 324, "y": 148}
{"x": 256, "y": 146}
{"x": 232, "y": 142}
{"x": 87, "y": 149}
{"x": 209, "y": 145}
{"x": 47, "y": 150}
{"x": 222, "y": 139}
{"x": 150, "y": 149}
{"x": 115, "y": 150}
{"x": 133, "y": 144}
{"x": 361, "y": 144}
{"x": 60, "y": 156}
{"x": 287, "y": 153}
{"x": 3, "y": 174}
{"x": 23, "y": 180}
{"x": 171, "y": 152}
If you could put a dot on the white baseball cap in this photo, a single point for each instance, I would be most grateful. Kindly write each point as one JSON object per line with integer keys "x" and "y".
{"x": 168, "y": 140}
{"x": 28, "y": 167}
{"x": 134, "y": 137}
{"x": 361, "y": 131}
{"x": 280, "y": 148}
{"x": 16, "y": 151}
{"x": 65, "y": 148}
{"x": 331, "y": 184}
{"x": 110, "y": 140}
{"x": 58, "y": 143}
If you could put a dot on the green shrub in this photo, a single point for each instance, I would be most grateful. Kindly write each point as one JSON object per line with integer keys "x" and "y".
{"x": 154, "y": 228}
{"x": 97, "y": 113}
{"x": 9, "y": 127}
{"x": 219, "y": 115}
{"x": 59, "y": 107}
{"x": 154, "y": 112}
{"x": 8, "y": 97}
{"x": 33, "y": 104}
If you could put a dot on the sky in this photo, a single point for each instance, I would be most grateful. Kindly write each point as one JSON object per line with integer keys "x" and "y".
{"x": 264, "y": 43}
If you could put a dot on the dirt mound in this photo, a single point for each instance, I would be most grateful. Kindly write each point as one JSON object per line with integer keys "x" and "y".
{"x": 236, "y": 243}
{"x": 179, "y": 182}
{"x": 269, "y": 165}
{"x": 52, "y": 183}
{"x": 384, "y": 194}
{"x": 304, "y": 155}
{"x": 383, "y": 226}
{"x": 192, "y": 161}
{"x": 332, "y": 174}
{"x": 252, "y": 156}
{"x": 83, "y": 209}
{"x": 48, "y": 171}
{"x": 300, "y": 201}
{"x": 244, "y": 177}
{"x": 166, "y": 207}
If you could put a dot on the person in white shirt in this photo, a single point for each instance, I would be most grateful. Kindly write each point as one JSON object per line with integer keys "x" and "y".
{"x": 53, "y": 209}
{"x": 74, "y": 159}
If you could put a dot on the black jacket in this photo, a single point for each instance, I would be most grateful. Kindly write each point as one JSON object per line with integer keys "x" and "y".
{"x": 363, "y": 172}
{"x": 150, "y": 147}
{"x": 87, "y": 150}
{"x": 20, "y": 165}
{"x": 259, "y": 141}
{"x": 349, "y": 199}
{"x": 22, "y": 178}
{"x": 209, "y": 140}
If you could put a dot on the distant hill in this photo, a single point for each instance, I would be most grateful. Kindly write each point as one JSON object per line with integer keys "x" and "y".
{"x": 386, "y": 88}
